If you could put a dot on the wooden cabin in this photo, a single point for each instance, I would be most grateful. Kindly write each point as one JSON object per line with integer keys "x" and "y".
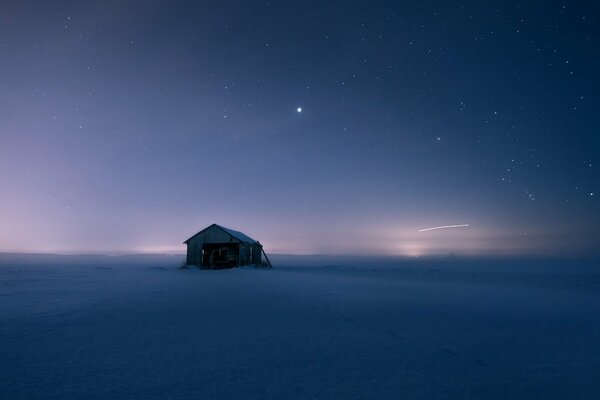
{"x": 217, "y": 247}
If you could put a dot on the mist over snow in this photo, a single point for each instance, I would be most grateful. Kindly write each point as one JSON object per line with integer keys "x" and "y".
{"x": 98, "y": 327}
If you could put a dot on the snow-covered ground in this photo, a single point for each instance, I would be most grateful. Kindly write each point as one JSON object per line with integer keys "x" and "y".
{"x": 140, "y": 328}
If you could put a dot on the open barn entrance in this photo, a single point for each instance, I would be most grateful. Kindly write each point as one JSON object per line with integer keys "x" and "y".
{"x": 220, "y": 255}
{"x": 216, "y": 247}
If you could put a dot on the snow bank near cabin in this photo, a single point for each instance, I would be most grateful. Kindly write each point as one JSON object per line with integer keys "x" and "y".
{"x": 453, "y": 329}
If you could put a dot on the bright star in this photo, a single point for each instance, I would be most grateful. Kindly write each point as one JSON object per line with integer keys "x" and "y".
{"x": 299, "y": 109}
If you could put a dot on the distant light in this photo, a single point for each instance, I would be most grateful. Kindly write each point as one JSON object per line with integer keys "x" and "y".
{"x": 299, "y": 109}
{"x": 443, "y": 227}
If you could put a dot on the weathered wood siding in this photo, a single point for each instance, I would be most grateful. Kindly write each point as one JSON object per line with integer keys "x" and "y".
{"x": 256, "y": 254}
{"x": 213, "y": 234}
{"x": 248, "y": 252}
{"x": 194, "y": 254}
{"x": 245, "y": 253}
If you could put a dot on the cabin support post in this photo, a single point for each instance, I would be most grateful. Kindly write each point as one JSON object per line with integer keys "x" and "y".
{"x": 266, "y": 258}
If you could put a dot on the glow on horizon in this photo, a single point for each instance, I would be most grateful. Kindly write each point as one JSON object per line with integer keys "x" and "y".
{"x": 444, "y": 227}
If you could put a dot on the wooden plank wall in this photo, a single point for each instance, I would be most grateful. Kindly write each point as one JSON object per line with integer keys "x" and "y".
{"x": 249, "y": 253}
{"x": 211, "y": 235}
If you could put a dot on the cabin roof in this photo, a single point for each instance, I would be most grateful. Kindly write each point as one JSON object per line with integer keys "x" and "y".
{"x": 236, "y": 234}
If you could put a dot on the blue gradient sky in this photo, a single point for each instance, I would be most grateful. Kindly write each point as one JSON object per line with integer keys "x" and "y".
{"x": 129, "y": 126}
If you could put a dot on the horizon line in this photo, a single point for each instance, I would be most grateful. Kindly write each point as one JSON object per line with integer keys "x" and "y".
{"x": 432, "y": 255}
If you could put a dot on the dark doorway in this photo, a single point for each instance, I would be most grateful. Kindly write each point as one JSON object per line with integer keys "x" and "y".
{"x": 220, "y": 255}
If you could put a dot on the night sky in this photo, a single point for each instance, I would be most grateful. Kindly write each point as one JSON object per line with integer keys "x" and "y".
{"x": 315, "y": 127}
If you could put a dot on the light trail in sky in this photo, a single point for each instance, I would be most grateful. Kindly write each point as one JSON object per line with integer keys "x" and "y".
{"x": 444, "y": 227}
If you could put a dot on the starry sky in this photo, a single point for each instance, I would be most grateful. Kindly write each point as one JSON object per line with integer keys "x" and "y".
{"x": 339, "y": 127}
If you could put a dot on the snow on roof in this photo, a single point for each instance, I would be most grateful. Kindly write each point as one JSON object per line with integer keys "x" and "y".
{"x": 238, "y": 235}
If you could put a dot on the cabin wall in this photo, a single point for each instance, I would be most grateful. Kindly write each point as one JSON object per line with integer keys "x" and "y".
{"x": 244, "y": 254}
{"x": 211, "y": 235}
{"x": 256, "y": 254}
{"x": 249, "y": 253}
{"x": 194, "y": 253}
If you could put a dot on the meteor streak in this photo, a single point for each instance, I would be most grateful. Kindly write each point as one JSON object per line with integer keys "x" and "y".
{"x": 443, "y": 227}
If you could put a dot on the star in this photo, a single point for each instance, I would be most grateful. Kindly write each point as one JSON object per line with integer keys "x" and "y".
{"x": 299, "y": 109}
